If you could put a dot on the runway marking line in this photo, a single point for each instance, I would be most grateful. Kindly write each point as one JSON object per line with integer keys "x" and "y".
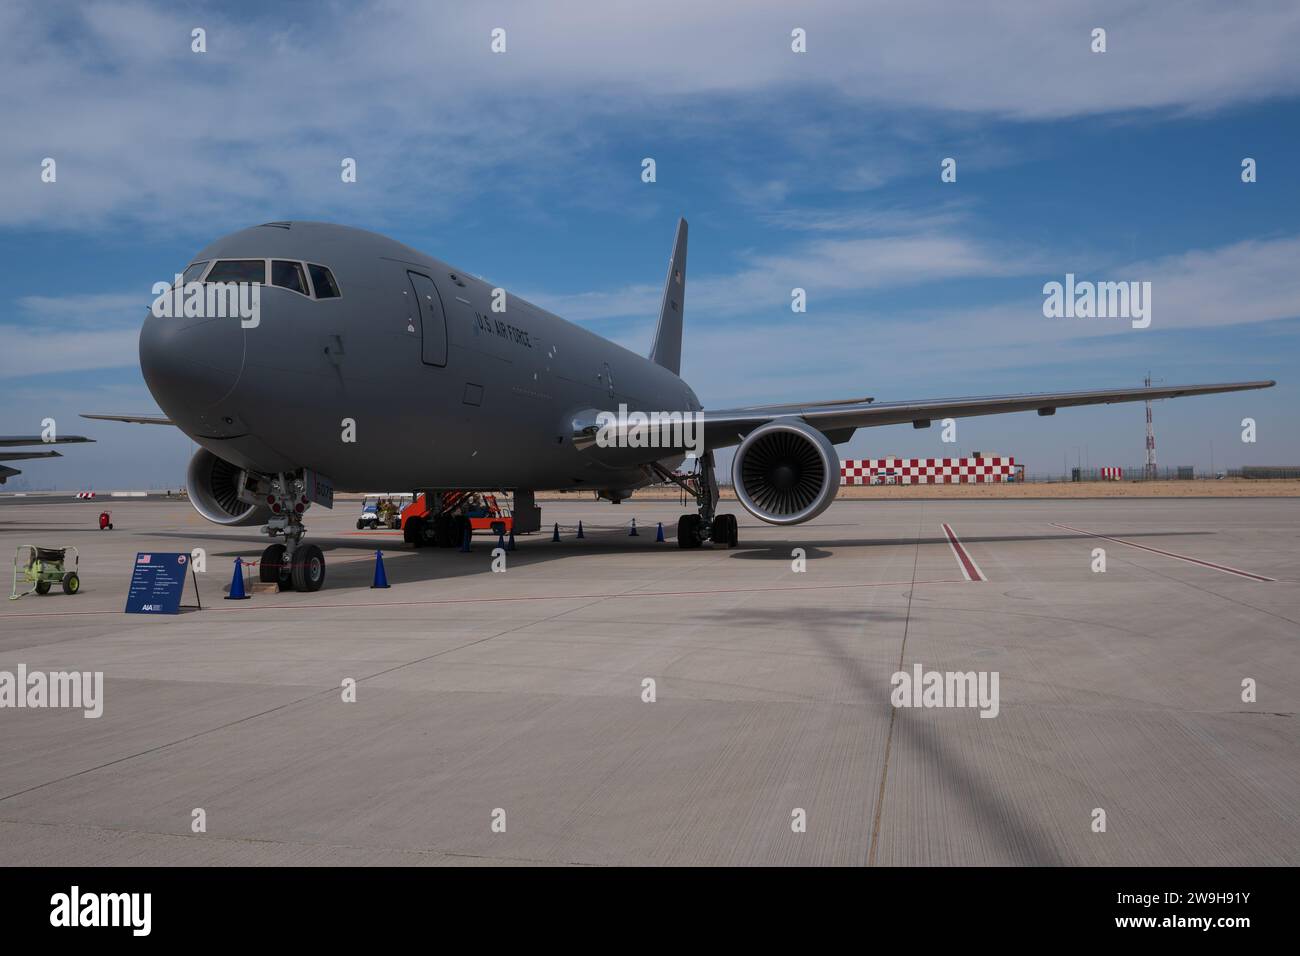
{"x": 498, "y": 600}
{"x": 969, "y": 569}
{"x": 1169, "y": 554}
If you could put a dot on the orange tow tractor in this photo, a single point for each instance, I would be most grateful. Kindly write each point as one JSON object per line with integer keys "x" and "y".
{"x": 442, "y": 524}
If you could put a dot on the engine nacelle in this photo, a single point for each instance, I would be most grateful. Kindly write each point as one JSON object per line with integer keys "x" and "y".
{"x": 786, "y": 472}
{"x": 218, "y": 491}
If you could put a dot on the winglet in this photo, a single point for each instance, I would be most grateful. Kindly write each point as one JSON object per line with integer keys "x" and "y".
{"x": 667, "y": 348}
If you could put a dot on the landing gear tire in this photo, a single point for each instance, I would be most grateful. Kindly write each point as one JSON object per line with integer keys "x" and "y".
{"x": 308, "y": 572}
{"x": 271, "y": 568}
{"x": 688, "y": 531}
{"x": 726, "y": 531}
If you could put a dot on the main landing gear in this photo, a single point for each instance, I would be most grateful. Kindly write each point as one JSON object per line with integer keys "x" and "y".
{"x": 293, "y": 565}
{"x": 706, "y": 524}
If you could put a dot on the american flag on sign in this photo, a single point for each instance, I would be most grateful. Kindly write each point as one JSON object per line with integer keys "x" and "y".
{"x": 144, "y": 559}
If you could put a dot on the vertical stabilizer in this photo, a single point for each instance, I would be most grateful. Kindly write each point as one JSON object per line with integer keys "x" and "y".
{"x": 667, "y": 348}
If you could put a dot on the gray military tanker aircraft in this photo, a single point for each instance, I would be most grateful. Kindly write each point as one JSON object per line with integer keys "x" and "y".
{"x": 367, "y": 364}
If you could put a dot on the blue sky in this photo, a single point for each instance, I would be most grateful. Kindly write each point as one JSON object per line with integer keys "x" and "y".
{"x": 818, "y": 170}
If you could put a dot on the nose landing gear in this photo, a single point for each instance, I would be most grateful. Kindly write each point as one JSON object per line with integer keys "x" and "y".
{"x": 292, "y": 565}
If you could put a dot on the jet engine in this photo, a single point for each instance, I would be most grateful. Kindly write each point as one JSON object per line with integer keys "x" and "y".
{"x": 221, "y": 491}
{"x": 786, "y": 472}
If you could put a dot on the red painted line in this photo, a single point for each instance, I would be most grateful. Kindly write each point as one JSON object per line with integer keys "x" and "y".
{"x": 969, "y": 568}
{"x": 1169, "y": 554}
{"x": 499, "y": 600}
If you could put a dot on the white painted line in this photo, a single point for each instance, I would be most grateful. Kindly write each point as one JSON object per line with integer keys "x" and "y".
{"x": 969, "y": 569}
{"x": 1169, "y": 554}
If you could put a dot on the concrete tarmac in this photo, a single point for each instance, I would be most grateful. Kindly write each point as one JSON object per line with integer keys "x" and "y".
{"x": 519, "y": 695}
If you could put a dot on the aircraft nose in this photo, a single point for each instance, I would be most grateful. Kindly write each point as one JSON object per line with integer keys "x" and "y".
{"x": 190, "y": 364}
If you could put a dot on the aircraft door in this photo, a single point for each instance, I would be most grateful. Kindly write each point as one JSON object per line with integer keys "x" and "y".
{"x": 433, "y": 321}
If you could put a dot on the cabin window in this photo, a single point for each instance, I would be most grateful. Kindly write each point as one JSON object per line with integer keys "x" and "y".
{"x": 323, "y": 280}
{"x": 239, "y": 270}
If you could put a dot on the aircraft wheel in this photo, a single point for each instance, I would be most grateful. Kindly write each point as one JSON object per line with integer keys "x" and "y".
{"x": 42, "y": 587}
{"x": 270, "y": 570}
{"x": 308, "y": 572}
{"x": 688, "y": 531}
{"x": 725, "y": 530}
{"x": 71, "y": 583}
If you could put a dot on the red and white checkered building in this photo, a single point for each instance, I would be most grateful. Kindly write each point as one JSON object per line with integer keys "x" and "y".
{"x": 928, "y": 471}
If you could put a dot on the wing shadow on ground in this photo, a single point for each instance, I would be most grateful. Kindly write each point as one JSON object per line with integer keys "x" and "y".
{"x": 918, "y": 733}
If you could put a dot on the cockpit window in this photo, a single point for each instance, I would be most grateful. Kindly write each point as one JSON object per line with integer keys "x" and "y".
{"x": 239, "y": 270}
{"x": 192, "y": 273}
{"x": 323, "y": 280}
{"x": 289, "y": 275}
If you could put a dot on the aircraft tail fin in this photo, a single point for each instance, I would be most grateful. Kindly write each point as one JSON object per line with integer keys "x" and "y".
{"x": 667, "y": 348}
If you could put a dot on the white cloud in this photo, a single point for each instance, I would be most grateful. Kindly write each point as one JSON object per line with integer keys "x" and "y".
{"x": 30, "y": 353}
{"x": 52, "y": 313}
{"x": 72, "y": 333}
{"x": 827, "y": 269}
{"x": 140, "y": 126}
{"x": 833, "y": 352}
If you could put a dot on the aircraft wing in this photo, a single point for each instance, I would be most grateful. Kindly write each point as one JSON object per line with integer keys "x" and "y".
{"x": 134, "y": 419}
{"x": 12, "y": 441}
{"x": 24, "y": 455}
{"x": 729, "y": 426}
{"x": 9, "y": 441}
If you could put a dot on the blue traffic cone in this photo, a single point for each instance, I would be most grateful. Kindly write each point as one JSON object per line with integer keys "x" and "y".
{"x": 580, "y": 534}
{"x": 237, "y": 583}
{"x": 510, "y": 545}
{"x": 555, "y": 535}
{"x": 464, "y": 544}
{"x": 381, "y": 579}
{"x": 501, "y": 540}
{"x": 659, "y": 535}
{"x": 632, "y": 533}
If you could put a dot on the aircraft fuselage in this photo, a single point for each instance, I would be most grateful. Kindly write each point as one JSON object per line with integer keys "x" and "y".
{"x": 376, "y": 388}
